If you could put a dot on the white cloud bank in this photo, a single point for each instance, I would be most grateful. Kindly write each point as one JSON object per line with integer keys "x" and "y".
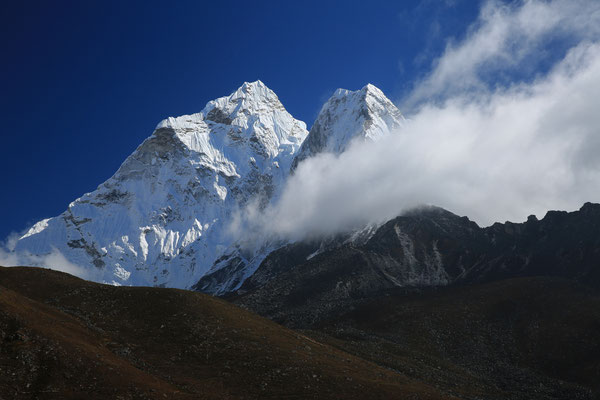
{"x": 491, "y": 151}
{"x": 518, "y": 37}
{"x": 54, "y": 260}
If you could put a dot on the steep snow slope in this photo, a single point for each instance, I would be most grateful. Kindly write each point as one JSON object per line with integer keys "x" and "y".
{"x": 364, "y": 114}
{"x": 162, "y": 218}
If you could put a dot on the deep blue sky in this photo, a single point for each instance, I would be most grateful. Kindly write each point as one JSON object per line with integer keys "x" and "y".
{"x": 84, "y": 82}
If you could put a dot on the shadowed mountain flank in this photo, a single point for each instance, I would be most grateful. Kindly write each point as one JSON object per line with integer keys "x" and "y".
{"x": 427, "y": 247}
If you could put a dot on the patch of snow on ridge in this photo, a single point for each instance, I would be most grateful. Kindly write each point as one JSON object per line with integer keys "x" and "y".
{"x": 37, "y": 228}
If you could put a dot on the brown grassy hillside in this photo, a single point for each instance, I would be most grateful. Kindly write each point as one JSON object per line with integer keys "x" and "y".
{"x": 62, "y": 337}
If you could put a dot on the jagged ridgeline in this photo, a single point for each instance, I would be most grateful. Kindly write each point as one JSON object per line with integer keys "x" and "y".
{"x": 162, "y": 219}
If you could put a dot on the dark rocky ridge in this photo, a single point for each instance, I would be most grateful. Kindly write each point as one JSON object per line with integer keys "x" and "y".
{"x": 426, "y": 247}
{"x": 565, "y": 244}
{"x": 507, "y": 311}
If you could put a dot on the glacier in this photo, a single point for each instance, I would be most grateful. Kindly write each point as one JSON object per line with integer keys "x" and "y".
{"x": 164, "y": 218}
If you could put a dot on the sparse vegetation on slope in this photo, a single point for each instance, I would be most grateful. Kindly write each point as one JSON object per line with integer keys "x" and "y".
{"x": 62, "y": 337}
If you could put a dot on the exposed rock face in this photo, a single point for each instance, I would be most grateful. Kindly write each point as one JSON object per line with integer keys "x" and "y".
{"x": 427, "y": 247}
{"x": 565, "y": 244}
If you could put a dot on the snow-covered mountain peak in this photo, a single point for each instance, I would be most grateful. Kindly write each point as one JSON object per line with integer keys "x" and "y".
{"x": 250, "y": 98}
{"x": 163, "y": 218}
{"x": 367, "y": 90}
{"x": 251, "y": 120}
{"x": 369, "y": 87}
{"x": 365, "y": 114}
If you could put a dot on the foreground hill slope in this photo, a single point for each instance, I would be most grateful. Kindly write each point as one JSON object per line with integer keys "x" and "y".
{"x": 62, "y": 337}
{"x": 522, "y": 338}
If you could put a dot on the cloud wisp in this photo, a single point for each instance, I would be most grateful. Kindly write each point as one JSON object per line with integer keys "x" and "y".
{"x": 491, "y": 152}
{"x": 508, "y": 42}
{"x": 54, "y": 260}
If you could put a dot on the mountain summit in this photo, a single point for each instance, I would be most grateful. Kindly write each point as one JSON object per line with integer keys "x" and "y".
{"x": 164, "y": 218}
{"x": 161, "y": 219}
{"x": 365, "y": 114}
